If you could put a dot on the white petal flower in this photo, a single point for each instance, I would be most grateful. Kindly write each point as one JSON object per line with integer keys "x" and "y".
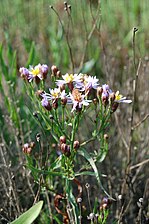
{"x": 120, "y": 99}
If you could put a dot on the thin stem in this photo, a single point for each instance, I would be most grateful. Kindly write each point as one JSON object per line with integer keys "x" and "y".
{"x": 67, "y": 38}
{"x": 132, "y": 115}
{"x": 88, "y": 37}
{"x": 134, "y": 47}
{"x": 63, "y": 117}
{"x": 73, "y": 130}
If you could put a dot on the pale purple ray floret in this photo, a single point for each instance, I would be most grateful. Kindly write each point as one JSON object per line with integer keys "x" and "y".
{"x": 53, "y": 95}
{"x": 69, "y": 78}
{"x": 24, "y": 72}
{"x": 88, "y": 83}
{"x": 44, "y": 101}
{"x": 44, "y": 69}
{"x": 35, "y": 72}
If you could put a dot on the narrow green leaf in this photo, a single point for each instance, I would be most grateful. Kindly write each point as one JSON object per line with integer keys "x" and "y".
{"x": 37, "y": 171}
{"x": 87, "y": 156}
{"x": 31, "y": 55}
{"x": 56, "y": 219}
{"x": 30, "y": 215}
{"x": 87, "y": 67}
{"x": 4, "y": 67}
{"x": 85, "y": 173}
{"x": 72, "y": 201}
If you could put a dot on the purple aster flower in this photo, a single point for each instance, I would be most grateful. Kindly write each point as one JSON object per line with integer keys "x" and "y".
{"x": 106, "y": 89}
{"x": 55, "y": 94}
{"x": 88, "y": 83}
{"x": 69, "y": 79}
{"x": 45, "y": 103}
{"x": 35, "y": 72}
{"x": 44, "y": 70}
{"x": 91, "y": 82}
{"x": 24, "y": 72}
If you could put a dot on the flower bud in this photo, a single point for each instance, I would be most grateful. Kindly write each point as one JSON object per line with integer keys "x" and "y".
{"x": 105, "y": 98}
{"x": 32, "y": 144}
{"x": 24, "y": 72}
{"x": 55, "y": 104}
{"x": 62, "y": 139}
{"x": 106, "y": 137}
{"x": 76, "y": 144}
{"x": 114, "y": 106}
{"x": 65, "y": 149}
{"x": 46, "y": 104}
{"x": 39, "y": 92}
{"x": 99, "y": 91}
{"x": 62, "y": 87}
{"x": 112, "y": 97}
{"x": 64, "y": 101}
{"x": 79, "y": 200}
{"x": 51, "y": 117}
{"x": 58, "y": 74}
{"x": 27, "y": 148}
{"x": 54, "y": 70}
{"x": 53, "y": 145}
{"x": 44, "y": 70}
{"x": 105, "y": 204}
{"x": 95, "y": 101}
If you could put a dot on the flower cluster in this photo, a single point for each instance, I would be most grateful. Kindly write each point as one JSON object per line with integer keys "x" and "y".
{"x": 108, "y": 97}
{"x": 39, "y": 72}
{"x": 72, "y": 89}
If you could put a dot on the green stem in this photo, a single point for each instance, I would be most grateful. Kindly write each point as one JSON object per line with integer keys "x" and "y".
{"x": 63, "y": 118}
{"x": 74, "y": 128}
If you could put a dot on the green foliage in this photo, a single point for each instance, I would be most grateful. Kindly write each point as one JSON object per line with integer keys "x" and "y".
{"x": 30, "y": 215}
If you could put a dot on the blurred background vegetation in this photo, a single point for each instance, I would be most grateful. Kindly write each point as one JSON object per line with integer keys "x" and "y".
{"x": 97, "y": 38}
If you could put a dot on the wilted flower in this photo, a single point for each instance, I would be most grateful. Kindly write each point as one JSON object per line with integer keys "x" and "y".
{"x": 78, "y": 100}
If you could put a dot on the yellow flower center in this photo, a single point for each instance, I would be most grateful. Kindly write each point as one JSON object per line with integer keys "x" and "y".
{"x": 35, "y": 71}
{"x": 118, "y": 96}
{"x": 68, "y": 78}
{"x": 55, "y": 93}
